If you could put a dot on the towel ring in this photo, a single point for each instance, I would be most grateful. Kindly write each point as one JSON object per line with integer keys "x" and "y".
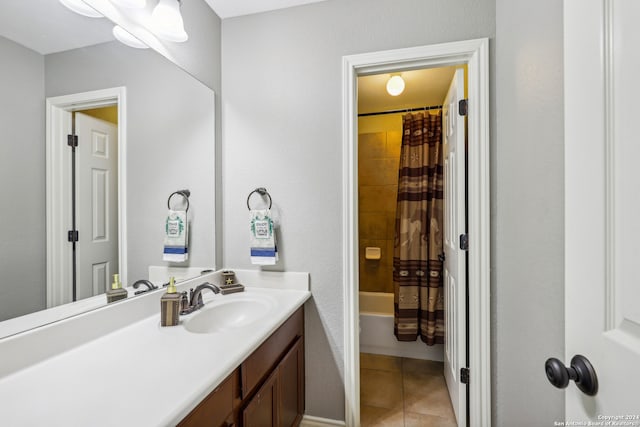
{"x": 261, "y": 191}
{"x": 183, "y": 193}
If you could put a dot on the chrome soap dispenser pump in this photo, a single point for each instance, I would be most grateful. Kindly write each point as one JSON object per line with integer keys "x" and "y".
{"x": 170, "y": 305}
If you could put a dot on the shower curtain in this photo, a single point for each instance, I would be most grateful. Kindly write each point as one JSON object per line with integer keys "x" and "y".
{"x": 418, "y": 246}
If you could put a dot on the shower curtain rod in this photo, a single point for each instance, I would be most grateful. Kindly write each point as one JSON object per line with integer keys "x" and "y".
{"x": 404, "y": 110}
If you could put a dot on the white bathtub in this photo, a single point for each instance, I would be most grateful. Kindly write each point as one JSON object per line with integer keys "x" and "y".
{"x": 376, "y": 331}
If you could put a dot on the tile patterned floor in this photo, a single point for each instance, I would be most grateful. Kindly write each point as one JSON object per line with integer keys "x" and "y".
{"x": 402, "y": 392}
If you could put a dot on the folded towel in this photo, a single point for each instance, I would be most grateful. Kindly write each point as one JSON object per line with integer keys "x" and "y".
{"x": 175, "y": 239}
{"x": 264, "y": 249}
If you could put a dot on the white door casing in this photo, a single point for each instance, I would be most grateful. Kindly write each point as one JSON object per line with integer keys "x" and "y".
{"x": 96, "y": 204}
{"x": 602, "y": 228}
{"x": 474, "y": 53}
{"x": 454, "y": 269}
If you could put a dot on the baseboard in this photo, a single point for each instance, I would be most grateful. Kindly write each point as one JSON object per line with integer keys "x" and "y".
{"x": 309, "y": 421}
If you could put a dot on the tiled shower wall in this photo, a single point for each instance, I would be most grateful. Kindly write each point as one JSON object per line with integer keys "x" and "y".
{"x": 378, "y": 159}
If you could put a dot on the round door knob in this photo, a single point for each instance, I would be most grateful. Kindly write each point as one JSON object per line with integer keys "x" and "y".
{"x": 581, "y": 371}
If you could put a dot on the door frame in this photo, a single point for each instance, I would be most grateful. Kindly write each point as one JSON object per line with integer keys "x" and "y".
{"x": 474, "y": 53}
{"x": 58, "y": 126}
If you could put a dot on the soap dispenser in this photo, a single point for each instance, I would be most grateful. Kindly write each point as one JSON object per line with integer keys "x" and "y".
{"x": 116, "y": 292}
{"x": 170, "y": 305}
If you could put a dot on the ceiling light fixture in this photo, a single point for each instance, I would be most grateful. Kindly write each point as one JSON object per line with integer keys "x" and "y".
{"x": 125, "y": 37}
{"x": 130, "y": 4}
{"x": 82, "y": 8}
{"x": 166, "y": 21}
{"x": 395, "y": 85}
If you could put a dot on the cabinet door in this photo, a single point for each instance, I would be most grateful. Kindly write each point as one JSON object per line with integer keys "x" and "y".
{"x": 262, "y": 409}
{"x": 262, "y": 361}
{"x": 216, "y": 409}
{"x": 291, "y": 386}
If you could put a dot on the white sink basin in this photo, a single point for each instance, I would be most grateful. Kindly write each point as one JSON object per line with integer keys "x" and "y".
{"x": 224, "y": 314}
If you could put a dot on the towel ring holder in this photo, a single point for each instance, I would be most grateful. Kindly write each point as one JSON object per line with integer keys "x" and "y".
{"x": 183, "y": 193}
{"x": 261, "y": 191}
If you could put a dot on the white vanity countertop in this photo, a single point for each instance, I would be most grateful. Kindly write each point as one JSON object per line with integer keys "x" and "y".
{"x": 141, "y": 374}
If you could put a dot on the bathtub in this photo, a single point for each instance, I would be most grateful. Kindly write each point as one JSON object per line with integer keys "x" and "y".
{"x": 376, "y": 331}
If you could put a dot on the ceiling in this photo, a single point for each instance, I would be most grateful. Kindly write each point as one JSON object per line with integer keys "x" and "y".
{"x": 426, "y": 87}
{"x": 230, "y": 8}
{"x": 54, "y": 28}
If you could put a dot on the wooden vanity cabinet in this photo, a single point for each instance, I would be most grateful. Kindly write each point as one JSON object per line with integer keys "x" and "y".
{"x": 266, "y": 390}
{"x": 217, "y": 408}
{"x": 291, "y": 386}
{"x": 262, "y": 409}
{"x": 279, "y": 401}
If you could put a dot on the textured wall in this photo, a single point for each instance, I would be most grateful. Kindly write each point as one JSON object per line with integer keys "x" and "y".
{"x": 528, "y": 234}
{"x": 282, "y": 129}
{"x": 22, "y": 160}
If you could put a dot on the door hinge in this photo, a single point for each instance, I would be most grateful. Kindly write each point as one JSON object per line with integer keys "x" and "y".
{"x": 464, "y": 375}
{"x": 463, "y": 107}
{"x": 72, "y": 235}
{"x": 72, "y": 140}
{"x": 464, "y": 242}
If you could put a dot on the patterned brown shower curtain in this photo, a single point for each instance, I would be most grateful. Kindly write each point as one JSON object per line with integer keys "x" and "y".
{"x": 418, "y": 246}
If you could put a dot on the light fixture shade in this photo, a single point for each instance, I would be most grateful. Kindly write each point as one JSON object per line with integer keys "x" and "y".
{"x": 395, "y": 85}
{"x": 81, "y": 8}
{"x": 130, "y": 4}
{"x": 166, "y": 21}
{"x": 125, "y": 37}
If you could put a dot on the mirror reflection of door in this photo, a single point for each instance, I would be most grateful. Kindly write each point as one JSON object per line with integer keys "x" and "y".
{"x": 96, "y": 201}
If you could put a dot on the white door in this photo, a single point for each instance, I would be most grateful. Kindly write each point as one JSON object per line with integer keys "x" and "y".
{"x": 454, "y": 225}
{"x": 96, "y": 204}
{"x": 602, "y": 204}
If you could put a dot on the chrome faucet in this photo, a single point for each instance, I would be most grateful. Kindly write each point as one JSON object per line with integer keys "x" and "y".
{"x": 196, "y": 302}
{"x": 150, "y": 286}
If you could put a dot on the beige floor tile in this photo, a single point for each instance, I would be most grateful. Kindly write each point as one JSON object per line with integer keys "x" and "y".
{"x": 371, "y": 416}
{"x": 380, "y": 362}
{"x": 421, "y": 420}
{"x": 403, "y": 392}
{"x": 382, "y": 389}
{"x": 426, "y": 367}
{"x": 427, "y": 395}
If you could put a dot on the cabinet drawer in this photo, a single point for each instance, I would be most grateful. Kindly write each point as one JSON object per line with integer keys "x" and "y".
{"x": 216, "y": 408}
{"x": 264, "y": 359}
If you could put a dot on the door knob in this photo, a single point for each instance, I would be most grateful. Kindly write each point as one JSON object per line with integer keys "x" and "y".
{"x": 581, "y": 371}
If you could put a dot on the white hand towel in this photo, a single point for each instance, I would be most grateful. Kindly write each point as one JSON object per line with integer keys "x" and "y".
{"x": 264, "y": 249}
{"x": 175, "y": 239}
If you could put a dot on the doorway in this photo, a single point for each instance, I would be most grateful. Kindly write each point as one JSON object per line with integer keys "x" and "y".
{"x": 85, "y": 246}
{"x": 473, "y": 54}
{"x": 409, "y": 358}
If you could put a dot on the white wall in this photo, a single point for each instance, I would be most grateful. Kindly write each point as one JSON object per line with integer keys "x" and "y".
{"x": 22, "y": 159}
{"x": 528, "y": 233}
{"x": 170, "y": 142}
{"x": 282, "y": 124}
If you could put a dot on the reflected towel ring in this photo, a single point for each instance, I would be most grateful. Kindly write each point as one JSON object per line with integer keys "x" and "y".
{"x": 183, "y": 193}
{"x": 261, "y": 191}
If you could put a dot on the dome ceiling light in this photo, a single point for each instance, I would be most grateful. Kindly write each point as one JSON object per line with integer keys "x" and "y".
{"x": 166, "y": 21}
{"x": 395, "y": 85}
{"x": 125, "y": 37}
{"x": 130, "y": 4}
{"x": 81, "y": 8}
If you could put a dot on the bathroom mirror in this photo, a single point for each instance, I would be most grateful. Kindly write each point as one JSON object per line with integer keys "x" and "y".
{"x": 48, "y": 51}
